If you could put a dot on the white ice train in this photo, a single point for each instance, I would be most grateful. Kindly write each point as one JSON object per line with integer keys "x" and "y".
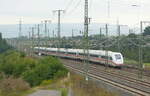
{"x": 99, "y": 56}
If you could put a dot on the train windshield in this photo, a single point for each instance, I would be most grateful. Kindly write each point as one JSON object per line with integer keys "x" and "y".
{"x": 118, "y": 56}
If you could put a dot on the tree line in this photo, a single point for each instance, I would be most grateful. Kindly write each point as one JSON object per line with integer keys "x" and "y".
{"x": 3, "y": 44}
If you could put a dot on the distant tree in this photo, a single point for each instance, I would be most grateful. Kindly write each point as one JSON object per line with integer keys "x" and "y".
{"x": 3, "y": 44}
{"x": 132, "y": 35}
{"x": 146, "y": 31}
{"x": 0, "y": 36}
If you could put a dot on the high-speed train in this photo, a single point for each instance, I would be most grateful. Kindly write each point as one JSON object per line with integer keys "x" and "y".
{"x": 99, "y": 56}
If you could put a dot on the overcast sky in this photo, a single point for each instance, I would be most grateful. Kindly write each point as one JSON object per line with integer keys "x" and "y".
{"x": 33, "y": 11}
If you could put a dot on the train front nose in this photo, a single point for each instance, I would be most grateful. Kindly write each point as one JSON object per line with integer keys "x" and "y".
{"x": 119, "y": 59}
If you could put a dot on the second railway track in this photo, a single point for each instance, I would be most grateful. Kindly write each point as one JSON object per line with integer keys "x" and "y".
{"x": 135, "y": 86}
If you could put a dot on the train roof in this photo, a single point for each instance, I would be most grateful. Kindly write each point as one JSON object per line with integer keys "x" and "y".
{"x": 93, "y": 52}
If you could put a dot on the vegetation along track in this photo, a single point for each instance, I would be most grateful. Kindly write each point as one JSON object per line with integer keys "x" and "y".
{"x": 132, "y": 85}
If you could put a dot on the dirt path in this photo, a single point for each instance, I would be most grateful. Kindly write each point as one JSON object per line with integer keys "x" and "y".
{"x": 46, "y": 93}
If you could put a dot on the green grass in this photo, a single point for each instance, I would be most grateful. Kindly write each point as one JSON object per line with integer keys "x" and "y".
{"x": 64, "y": 91}
{"x": 26, "y": 93}
{"x": 129, "y": 61}
{"x": 133, "y": 62}
{"x": 77, "y": 84}
{"x": 16, "y": 93}
{"x": 81, "y": 87}
{"x": 147, "y": 64}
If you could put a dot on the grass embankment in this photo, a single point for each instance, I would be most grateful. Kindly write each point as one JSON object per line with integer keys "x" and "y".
{"x": 147, "y": 66}
{"x": 77, "y": 85}
{"x": 83, "y": 88}
{"x": 136, "y": 63}
{"x": 130, "y": 62}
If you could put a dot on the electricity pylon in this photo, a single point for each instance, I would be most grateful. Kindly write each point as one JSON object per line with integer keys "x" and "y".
{"x": 59, "y": 28}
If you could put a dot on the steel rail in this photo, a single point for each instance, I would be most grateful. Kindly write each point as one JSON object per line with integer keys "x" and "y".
{"x": 114, "y": 83}
{"x": 124, "y": 77}
{"x": 133, "y": 82}
{"x": 128, "y": 79}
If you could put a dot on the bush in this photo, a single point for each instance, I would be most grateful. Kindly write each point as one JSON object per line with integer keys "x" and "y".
{"x": 37, "y": 75}
{"x": 14, "y": 63}
{"x": 60, "y": 73}
{"x": 48, "y": 68}
{"x": 34, "y": 71}
{"x": 46, "y": 82}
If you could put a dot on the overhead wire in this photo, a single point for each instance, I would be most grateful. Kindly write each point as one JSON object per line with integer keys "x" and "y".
{"x": 74, "y": 8}
{"x": 68, "y": 5}
{"x": 66, "y": 8}
{"x": 90, "y": 7}
{"x": 70, "y": 10}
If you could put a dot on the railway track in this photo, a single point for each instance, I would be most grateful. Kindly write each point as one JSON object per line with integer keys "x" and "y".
{"x": 134, "y": 86}
{"x": 127, "y": 71}
{"x": 129, "y": 68}
{"x": 123, "y": 72}
{"x": 128, "y": 78}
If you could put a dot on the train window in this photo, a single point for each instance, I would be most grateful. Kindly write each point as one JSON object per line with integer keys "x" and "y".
{"x": 81, "y": 54}
{"x": 110, "y": 58}
{"x": 62, "y": 52}
{"x": 94, "y": 55}
{"x": 72, "y": 53}
{"x": 66, "y": 52}
{"x": 118, "y": 56}
{"x": 105, "y": 57}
